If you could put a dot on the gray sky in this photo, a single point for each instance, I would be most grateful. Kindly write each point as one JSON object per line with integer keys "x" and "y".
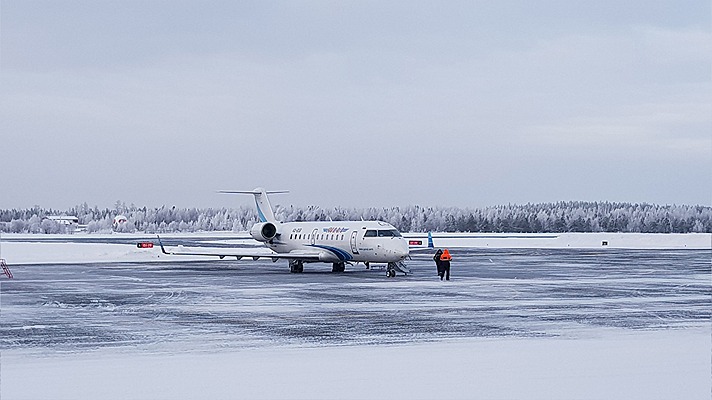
{"x": 359, "y": 103}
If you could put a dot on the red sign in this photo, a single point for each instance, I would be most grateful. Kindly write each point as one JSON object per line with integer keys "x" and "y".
{"x": 415, "y": 242}
{"x": 145, "y": 245}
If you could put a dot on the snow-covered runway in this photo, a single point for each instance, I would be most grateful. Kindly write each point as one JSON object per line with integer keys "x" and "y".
{"x": 553, "y": 323}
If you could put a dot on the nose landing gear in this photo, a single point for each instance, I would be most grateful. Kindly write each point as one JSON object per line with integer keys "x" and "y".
{"x": 394, "y": 267}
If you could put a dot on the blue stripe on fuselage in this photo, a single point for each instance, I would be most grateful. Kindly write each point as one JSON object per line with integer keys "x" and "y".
{"x": 343, "y": 255}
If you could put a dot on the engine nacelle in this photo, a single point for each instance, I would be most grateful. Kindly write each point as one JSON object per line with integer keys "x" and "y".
{"x": 264, "y": 231}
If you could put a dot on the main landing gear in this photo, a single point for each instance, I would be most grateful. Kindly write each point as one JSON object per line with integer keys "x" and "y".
{"x": 338, "y": 267}
{"x": 296, "y": 266}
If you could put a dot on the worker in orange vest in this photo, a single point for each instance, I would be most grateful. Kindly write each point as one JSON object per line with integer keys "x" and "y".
{"x": 445, "y": 259}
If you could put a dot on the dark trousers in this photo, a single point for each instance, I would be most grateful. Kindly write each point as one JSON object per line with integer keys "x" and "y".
{"x": 444, "y": 270}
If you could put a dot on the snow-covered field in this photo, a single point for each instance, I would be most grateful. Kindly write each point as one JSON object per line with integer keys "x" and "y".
{"x": 574, "y": 240}
{"x": 95, "y": 317}
{"x": 33, "y": 249}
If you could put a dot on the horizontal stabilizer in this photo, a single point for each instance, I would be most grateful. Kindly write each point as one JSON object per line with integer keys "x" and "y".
{"x": 253, "y": 191}
{"x": 264, "y": 208}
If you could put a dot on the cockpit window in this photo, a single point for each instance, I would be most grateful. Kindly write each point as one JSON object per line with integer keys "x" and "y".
{"x": 382, "y": 233}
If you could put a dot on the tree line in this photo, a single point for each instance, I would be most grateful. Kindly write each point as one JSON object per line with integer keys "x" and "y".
{"x": 573, "y": 216}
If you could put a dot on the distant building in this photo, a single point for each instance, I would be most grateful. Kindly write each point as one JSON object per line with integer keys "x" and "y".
{"x": 64, "y": 219}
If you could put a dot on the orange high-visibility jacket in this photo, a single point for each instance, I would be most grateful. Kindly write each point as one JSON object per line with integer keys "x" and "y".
{"x": 445, "y": 256}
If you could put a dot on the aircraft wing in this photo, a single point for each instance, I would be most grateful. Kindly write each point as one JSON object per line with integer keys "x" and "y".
{"x": 421, "y": 250}
{"x": 239, "y": 253}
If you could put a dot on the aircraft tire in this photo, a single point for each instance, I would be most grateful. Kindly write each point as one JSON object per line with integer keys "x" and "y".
{"x": 296, "y": 267}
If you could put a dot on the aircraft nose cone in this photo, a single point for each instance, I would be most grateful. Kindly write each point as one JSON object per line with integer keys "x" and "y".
{"x": 402, "y": 252}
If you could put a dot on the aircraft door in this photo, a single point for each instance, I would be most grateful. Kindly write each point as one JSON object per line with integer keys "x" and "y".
{"x": 313, "y": 235}
{"x": 354, "y": 247}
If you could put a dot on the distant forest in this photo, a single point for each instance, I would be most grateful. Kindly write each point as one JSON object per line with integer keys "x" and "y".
{"x": 528, "y": 218}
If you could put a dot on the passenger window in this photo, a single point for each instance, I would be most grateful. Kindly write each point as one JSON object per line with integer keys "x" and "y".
{"x": 370, "y": 233}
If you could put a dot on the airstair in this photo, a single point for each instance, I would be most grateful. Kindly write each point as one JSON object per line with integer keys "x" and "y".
{"x": 5, "y": 268}
{"x": 394, "y": 267}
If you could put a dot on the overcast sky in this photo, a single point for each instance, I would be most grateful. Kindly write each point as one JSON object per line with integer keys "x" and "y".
{"x": 359, "y": 103}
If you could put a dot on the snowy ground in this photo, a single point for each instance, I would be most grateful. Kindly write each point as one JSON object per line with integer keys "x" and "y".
{"x": 513, "y": 323}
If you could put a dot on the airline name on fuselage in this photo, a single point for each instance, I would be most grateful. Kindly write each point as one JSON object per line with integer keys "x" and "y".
{"x": 325, "y": 230}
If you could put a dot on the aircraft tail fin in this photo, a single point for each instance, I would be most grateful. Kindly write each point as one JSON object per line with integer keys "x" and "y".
{"x": 430, "y": 240}
{"x": 264, "y": 208}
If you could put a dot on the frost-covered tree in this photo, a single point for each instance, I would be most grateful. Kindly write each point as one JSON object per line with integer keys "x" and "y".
{"x": 542, "y": 217}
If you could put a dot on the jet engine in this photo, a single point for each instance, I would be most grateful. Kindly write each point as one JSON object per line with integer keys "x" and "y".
{"x": 264, "y": 231}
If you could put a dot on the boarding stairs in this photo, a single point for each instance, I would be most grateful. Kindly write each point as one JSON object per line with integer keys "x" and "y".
{"x": 394, "y": 267}
{"x": 5, "y": 268}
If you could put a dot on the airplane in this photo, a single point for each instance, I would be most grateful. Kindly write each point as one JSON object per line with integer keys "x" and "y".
{"x": 335, "y": 242}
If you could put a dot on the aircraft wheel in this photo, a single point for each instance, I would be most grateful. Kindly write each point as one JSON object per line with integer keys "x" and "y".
{"x": 296, "y": 267}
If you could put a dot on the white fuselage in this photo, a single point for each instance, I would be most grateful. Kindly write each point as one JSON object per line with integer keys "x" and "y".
{"x": 342, "y": 241}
